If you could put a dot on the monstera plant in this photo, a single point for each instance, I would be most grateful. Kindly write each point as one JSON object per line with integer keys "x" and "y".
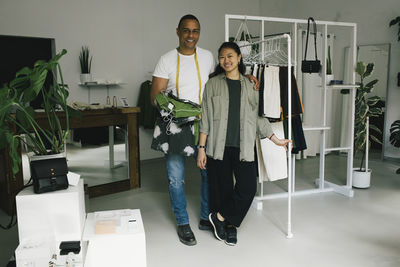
{"x": 17, "y": 118}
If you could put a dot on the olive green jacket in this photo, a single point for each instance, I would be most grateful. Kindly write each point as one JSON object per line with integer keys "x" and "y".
{"x": 214, "y": 120}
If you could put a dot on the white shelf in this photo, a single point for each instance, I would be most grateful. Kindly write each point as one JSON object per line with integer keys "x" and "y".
{"x": 92, "y": 84}
{"x": 316, "y": 128}
{"x": 107, "y": 85}
{"x": 342, "y": 86}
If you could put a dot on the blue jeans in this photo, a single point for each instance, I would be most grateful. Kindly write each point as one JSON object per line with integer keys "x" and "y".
{"x": 176, "y": 177}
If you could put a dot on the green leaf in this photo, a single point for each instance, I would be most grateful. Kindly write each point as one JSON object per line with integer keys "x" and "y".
{"x": 375, "y": 139}
{"x": 22, "y": 116}
{"x": 360, "y": 68}
{"x": 5, "y": 135}
{"x": 394, "y": 21}
{"x": 369, "y": 69}
{"x": 373, "y": 100}
{"x": 371, "y": 83}
{"x": 375, "y": 111}
{"x": 374, "y": 128}
{"x": 25, "y": 71}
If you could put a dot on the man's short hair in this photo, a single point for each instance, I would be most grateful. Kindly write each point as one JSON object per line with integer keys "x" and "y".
{"x": 190, "y": 17}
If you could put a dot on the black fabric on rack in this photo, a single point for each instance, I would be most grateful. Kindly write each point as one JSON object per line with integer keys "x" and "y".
{"x": 297, "y": 107}
{"x": 298, "y": 139}
{"x": 261, "y": 93}
{"x": 148, "y": 113}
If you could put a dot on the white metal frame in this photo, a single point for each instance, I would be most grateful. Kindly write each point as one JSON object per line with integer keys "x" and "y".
{"x": 322, "y": 185}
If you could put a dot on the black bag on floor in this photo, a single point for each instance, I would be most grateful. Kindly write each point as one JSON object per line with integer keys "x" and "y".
{"x": 49, "y": 175}
{"x": 311, "y": 66}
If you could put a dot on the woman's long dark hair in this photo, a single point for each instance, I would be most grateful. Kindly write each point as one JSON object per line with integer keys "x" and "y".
{"x": 234, "y": 46}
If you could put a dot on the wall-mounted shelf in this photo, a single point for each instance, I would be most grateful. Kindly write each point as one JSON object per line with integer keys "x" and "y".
{"x": 342, "y": 86}
{"x": 93, "y": 84}
{"x": 107, "y": 85}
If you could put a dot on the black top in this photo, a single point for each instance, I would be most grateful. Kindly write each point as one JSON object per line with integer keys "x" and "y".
{"x": 233, "y": 130}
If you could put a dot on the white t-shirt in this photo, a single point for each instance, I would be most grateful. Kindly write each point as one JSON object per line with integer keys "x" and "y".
{"x": 188, "y": 77}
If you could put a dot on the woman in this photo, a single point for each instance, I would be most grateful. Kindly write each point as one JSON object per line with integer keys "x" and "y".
{"x": 228, "y": 130}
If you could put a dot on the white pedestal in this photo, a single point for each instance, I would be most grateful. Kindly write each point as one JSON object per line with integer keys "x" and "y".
{"x": 125, "y": 247}
{"x": 57, "y": 216}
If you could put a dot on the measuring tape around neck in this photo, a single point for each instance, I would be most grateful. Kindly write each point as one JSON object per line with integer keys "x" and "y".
{"x": 198, "y": 74}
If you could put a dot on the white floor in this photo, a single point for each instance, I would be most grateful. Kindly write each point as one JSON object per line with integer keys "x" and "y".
{"x": 329, "y": 229}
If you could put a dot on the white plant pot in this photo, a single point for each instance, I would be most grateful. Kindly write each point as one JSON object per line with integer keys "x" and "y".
{"x": 33, "y": 157}
{"x": 85, "y": 77}
{"x": 329, "y": 78}
{"x": 361, "y": 179}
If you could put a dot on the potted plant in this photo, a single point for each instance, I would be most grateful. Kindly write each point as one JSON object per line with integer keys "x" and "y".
{"x": 85, "y": 60}
{"x": 364, "y": 108}
{"x": 395, "y": 136}
{"x": 329, "y": 74}
{"x": 15, "y": 112}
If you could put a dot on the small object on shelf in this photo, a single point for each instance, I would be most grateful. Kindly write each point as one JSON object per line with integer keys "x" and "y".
{"x": 124, "y": 102}
{"x": 333, "y": 82}
{"x": 85, "y": 60}
{"x": 90, "y": 83}
{"x": 108, "y": 102}
{"x": 114, "y": 102}
{"x": 70, "y": 246}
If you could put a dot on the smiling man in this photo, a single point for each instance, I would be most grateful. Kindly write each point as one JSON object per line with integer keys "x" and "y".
{"x": 184, "y": 71}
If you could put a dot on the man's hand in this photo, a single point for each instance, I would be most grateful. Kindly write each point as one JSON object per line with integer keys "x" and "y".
{"x": 158, "y": 85}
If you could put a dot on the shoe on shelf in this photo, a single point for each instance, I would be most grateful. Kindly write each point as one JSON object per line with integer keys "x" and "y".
{"x": 219, "y": 227}
{"x": 205, "y": 225}
{"x": 231, "y": 235}
{"x": 186, "y": 235}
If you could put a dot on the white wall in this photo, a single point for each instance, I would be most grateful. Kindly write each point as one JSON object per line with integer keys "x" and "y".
{"x": 126, "y": 37}
{"x": 372, "y": 18}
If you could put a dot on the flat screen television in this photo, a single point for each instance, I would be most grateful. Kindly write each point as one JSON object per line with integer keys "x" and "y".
{"x": 17, "y": 52}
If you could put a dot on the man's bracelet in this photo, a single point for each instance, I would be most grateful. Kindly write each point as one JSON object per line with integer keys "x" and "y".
{"x": 198, "y": 147}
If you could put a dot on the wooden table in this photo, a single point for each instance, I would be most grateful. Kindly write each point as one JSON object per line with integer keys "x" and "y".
{"x": 90, "y": 118}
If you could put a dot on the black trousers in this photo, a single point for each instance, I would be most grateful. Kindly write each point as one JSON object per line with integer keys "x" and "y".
{"x": 231, "y": 200}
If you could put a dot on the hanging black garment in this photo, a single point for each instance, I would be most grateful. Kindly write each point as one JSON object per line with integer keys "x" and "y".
{"x": 297, "y": 106}
{"x": 261, "y": 93}
{"x": 298, "y": 139}
{"x": 148, "y": 113}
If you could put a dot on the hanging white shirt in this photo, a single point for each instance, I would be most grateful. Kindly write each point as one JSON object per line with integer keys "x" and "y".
{"x": 272, "y": 93}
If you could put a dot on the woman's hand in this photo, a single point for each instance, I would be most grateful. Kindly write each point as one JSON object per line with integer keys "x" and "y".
{"x": 280, "y": 142}
{"x": 255, "y": 81}
{"x": 201, "y": 158}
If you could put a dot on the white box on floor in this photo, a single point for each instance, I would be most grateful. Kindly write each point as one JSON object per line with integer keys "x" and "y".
{"x": 34, "y": 252}
{"x": 122, "y": 243}
{"x": 58, "y": 215}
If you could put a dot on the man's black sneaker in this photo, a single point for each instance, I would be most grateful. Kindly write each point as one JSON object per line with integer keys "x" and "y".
{"x": 205, "y": 225}
{"x": 186, "y": 235}
{"x": 219, "y": 227}
{"x": 231, "y": 235}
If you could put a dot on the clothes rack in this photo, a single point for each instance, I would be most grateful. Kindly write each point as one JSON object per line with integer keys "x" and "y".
{"x": 321, "y": 183}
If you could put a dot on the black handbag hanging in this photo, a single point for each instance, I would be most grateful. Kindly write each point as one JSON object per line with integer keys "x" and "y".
{"x": 311, "y": 66}
{"x": 49, "y": 175}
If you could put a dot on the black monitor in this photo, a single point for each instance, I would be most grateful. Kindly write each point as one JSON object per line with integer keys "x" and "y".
{"x": 17, "y": 52}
